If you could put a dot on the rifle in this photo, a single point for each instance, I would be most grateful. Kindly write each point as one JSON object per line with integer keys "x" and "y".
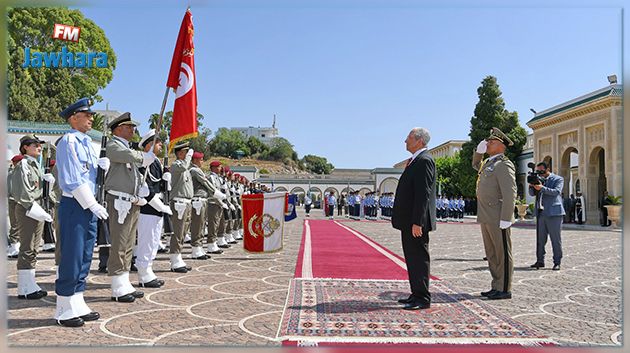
{"x": 168, "y": 223}
{"x": 49, "y": 233}
{"x": 102, "y": 230}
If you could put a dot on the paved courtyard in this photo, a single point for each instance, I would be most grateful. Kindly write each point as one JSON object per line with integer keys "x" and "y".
{"x": 237, "y": 298}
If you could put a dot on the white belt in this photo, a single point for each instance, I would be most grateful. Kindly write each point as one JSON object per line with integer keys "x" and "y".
{"x": 123, "y": 195}
{"x": 181, "y": 200}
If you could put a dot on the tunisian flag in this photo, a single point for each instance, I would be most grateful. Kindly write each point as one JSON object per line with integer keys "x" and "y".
{"x": 263, "y": 221}
{"x": 181, "y": 78}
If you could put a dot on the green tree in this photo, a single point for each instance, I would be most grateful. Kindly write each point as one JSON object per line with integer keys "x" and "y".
{"x": 226, "y": 142}
{"x": 38, "y": 94}
{"x": 256, "y": 147}
{"x": 281, "y": 150}
{"x": 201, "y": 143}
{"x": 447, "y": 178}
{"x": 317, "y": 164}
{"x": 489, "y": 112}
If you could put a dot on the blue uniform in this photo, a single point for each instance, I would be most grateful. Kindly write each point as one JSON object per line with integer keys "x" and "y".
{"x": 76, "y": 165}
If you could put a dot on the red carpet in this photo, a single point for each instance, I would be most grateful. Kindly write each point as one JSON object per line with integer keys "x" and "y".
{"x": 345, "y": 290}
{"x": 338, "y": 253}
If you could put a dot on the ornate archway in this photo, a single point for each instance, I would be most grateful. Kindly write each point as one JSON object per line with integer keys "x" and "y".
{"x": 299, "y": 192}
{"x": 568, "y": 169}
{"x": 388, "y": 185}
{"x": 596, "y": 181}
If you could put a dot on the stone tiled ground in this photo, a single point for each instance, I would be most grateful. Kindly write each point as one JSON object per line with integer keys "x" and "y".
{"x": 578, "y": 305}
{"x": 237, "y": 298}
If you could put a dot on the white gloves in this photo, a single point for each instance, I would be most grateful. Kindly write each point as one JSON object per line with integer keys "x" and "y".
{"x": 103, "y": 163}
{"x": 167, "y": 176}
{"x": 505, "y": 224}
{"x": 482, "y": 147}
{"x": 99, "y": 211}
{"x": 141, "y": 201}
{"x": 159, "y": 206}
{"x": 232, "y": 207}
{"x": 189, "y": 153}
{"x": 49, "y": 178}
{"x": 219, "y": 195}
{"x": 85, "y": 198}
{"x": 37, "y": 213}
{"x": 148, "y": 158}
{"x": 144, "y": 190}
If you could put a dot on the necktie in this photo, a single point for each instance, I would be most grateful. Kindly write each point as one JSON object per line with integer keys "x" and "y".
{"x": 408, "y": 162}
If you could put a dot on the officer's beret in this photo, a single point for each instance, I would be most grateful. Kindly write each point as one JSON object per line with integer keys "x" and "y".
{"x": 28, "y": 139}
{"x": 226, "y": 168}
{"x": 82, "y": 105}
{"x": 181, "y": 145}
{"x": 215, "y": 163}
{"x": 123, "y": 119}
{"x": 197, "y": 155}
{"x": 17, "y": 158}
{"x": 148, "y": 137}
{"x": 236, "y": 175}
{"x": 496, "y": 134}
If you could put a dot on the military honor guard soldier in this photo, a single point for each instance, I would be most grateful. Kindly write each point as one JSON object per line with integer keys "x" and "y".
{"x": 496, "y": 193}
{"x": 13, "y": 247}
{"x": 151, "y": 218}
{"x": 181, "y": 198}
{"x": 77, "y": 164}
{"x": 126, "y": 192}
{"x": 204, "y": 192}
{"x": 216, "y": 207}
{"x": 26, "y": 189}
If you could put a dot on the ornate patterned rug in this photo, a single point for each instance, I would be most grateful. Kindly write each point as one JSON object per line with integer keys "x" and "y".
{"x": 366, "y": 311}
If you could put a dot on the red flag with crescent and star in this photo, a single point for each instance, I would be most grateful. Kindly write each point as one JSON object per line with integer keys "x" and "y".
{"x": 182, "y": 79}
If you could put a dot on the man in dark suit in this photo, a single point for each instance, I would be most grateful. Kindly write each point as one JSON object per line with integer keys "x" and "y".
{"x": 414, "y": 216}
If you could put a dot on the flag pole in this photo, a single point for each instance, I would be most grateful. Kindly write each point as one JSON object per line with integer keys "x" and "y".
{"x": 158, "y": 127}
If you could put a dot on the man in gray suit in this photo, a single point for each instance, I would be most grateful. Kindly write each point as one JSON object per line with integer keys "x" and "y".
{"x": 549, "y": 212}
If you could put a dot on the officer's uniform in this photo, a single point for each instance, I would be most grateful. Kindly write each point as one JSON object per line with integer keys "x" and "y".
{"x": 78, "y": 211}
{"x": 26, "y": 189}
{"x": 151, "y": 218}
{"x": 204, "y": 193}
{"x": 216, "y": 219}
{"x": 124, "y": 197}
{"x": 53, "y": 198}
{"x": 181, "y": 198}
{"x": 228, "y": 213}
{"x": 56, "y": 198}
{"x": 496, "y": 193}
{"x": 237, "y": 233}
{"x": 14, "y": 234}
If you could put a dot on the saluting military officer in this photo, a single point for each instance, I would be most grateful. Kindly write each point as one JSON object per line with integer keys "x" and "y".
{"x": 151, "y": 218}
{"x": 77, "y": 164}
{"x": 205, "y": 193}
{"x": 26, "y": 189}
{"x": 496, "y": 193}
{"x": 14, "y": 234}
{"x": 126, "y": 192}
{"x": 181, "y": 196}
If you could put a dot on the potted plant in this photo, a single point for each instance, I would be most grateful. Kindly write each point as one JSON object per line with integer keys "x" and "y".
{"x": 521, "y": 207}
{"x": 614, "y": 209}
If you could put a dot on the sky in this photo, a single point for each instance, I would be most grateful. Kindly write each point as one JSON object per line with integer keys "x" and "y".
{"x": 347, "y": 80}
